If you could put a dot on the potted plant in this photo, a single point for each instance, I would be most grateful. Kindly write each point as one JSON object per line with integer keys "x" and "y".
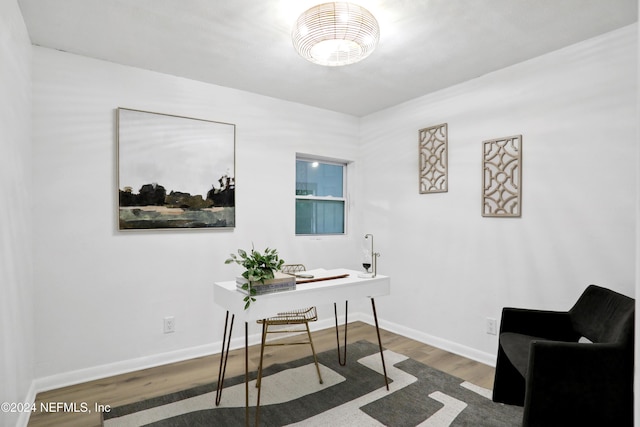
{"x": 258, "y": 268}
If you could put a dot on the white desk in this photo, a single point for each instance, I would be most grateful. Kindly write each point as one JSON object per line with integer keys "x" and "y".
{"x": 226, "y": 295}
{"x": 305, "y": 294}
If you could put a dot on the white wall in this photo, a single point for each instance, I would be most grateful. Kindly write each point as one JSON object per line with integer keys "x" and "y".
{"x": 102, "y": 294}
{"x": 451, "y": 268}
{"x": 97, "y": 311}
{"x": 16, "y": 279}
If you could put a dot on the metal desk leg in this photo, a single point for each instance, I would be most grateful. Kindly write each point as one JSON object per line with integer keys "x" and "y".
{"x": 259, "y": 379}
{"x": 384, "y": 368}
{"x": 342, "y": 359}
{"x": 246, "y": 374}
{"x": 224, "y": 356}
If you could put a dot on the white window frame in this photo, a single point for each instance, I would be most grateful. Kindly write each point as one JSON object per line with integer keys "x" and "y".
{"x": 343, "y": 199}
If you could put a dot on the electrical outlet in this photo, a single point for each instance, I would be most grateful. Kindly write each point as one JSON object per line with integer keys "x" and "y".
{"x": 169, "y": 324}
{"x": 492, "y": 327}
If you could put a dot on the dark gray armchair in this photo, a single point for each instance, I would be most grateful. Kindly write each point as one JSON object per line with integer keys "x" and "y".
{"x": 560, "y": 381}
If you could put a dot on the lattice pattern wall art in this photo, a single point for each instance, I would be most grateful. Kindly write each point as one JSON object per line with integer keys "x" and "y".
{"x": 433, "y": 151}
{"x": 502, "y": 177}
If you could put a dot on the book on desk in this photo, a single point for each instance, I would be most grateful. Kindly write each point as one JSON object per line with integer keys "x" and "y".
{"x": 287, "y": 282}
{"x": 280, "y": 282}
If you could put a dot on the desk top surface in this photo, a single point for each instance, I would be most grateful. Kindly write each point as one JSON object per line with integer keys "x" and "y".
{"x": 324, "y": 291}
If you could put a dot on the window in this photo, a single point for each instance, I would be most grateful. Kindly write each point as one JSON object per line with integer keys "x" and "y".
{"x": 320, "y": 197}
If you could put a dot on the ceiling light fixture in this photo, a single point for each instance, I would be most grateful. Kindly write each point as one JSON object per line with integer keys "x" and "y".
{"x": 335, "y": 34}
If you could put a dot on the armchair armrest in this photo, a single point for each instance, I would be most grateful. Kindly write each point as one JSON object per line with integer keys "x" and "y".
{"x": 553, "y": 325}
{"x": 579, "y": 381}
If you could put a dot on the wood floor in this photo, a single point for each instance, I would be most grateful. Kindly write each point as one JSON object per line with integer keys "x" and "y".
{"x": 141, "y": 385}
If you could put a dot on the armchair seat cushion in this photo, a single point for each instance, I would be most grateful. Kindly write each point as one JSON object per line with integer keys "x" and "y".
{"x": 517, "y": 347}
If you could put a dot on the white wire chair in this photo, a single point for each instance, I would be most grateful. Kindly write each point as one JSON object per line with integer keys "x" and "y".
{"x": 298, "y": 320}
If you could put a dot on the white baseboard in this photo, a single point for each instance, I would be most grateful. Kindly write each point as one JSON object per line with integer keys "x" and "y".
{"x": 450, "y": 346}
{"x": 103, "y": 371}
{"x": 23, "y": 419}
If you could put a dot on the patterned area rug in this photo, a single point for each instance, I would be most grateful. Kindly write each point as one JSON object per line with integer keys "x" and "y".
{"x": 353, "y": 395}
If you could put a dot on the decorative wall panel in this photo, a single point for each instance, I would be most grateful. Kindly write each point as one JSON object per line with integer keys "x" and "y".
{"x": 502, "y": 177}
{"x": 433, "y": 152}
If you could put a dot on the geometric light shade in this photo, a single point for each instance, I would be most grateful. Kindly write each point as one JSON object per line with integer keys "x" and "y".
{"x": 335, "y": 34}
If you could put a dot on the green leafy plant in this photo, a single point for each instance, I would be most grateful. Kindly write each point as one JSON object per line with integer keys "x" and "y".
{"x": 258, "y": 268}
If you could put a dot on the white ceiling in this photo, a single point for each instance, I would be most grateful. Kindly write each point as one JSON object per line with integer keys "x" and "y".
{"x": 425, "y": 45}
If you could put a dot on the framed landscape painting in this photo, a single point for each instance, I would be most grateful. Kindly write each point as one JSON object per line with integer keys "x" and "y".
{"x": 174, "y": 172}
